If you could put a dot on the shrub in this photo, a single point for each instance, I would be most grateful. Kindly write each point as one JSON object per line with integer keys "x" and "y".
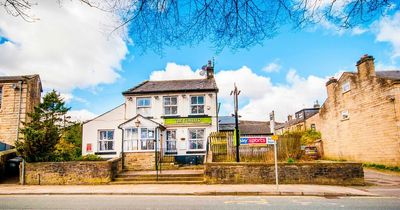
{"x": 90, "y": 157}
{"x": 291, "y": 160}
{"x": 382, "y": 167}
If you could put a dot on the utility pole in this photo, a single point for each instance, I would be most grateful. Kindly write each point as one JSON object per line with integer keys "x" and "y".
{"x": 272, "y": 127}
{"x": 235, "y": 94}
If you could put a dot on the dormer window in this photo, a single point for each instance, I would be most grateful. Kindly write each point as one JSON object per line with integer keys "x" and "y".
{"x": 346, "y": 87}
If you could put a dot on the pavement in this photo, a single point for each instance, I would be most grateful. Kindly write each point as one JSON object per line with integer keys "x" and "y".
{"x": 176, "y": 189}
{"x": 382, "y": 183}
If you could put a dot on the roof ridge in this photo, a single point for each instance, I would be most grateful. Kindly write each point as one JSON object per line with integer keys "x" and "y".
{"x": 173, "y": 80}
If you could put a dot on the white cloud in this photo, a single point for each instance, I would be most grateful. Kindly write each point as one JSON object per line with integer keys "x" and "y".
{"x": 358, "y": 31}
{"x": 174, "y": 71}
{"x": 259, "y": 96}
{"x": 388, "y": 30}
{"x": 272, "y": 67}
{"x": 70, "y": 46}
{"x": 81, "y": 115}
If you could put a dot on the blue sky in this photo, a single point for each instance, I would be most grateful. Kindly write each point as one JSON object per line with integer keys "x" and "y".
{"x": 299, "y": 59}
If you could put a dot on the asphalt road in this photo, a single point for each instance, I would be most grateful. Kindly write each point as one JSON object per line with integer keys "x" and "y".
{"x": 194, "y": 202}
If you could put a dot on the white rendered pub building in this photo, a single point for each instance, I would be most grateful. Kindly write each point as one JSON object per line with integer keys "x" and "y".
{"x": 174, "y": 117}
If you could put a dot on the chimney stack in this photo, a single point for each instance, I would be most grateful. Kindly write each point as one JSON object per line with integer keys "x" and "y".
{"x": 316, "y": 105}
{"x": 210, "y": 70}
{"x": 366, "y": 67}
{"x": 289, "y": 117}
{"x": 330, "y": 86}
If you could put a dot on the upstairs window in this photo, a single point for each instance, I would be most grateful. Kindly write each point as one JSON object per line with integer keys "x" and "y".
{"x": 1, "y": 95}
{"x": 346, "y": 87}
{"x": 170, "y": 105}
{"x": 143, "y": 106}
{"x": 345, "y": 115}
{"x": 197, "y": 104}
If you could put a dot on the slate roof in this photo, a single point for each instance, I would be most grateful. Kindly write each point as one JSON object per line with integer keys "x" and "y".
{"x": 294, "y": 121}
{"x": 392, "y": 75}
{"x": 192, "y": 85}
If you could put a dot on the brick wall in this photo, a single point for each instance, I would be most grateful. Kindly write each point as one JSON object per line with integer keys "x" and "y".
{"x": 299, "y": 173}
{"x": 139, "y": 161}
{"x": 31, "y": 94}
{"x": 73, "y": 172}
{"x": 371, "y": 134}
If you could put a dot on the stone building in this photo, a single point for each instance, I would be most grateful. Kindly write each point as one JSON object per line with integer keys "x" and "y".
{"x": 172, "y": 118}
{"x": 303, "y": 120}
{"x": 18, "y": 96}
{"x": 360, "y": 118}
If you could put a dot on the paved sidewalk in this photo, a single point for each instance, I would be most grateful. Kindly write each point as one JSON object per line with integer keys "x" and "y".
{"x": 171, "y": 189}
{"x": 381, "y": 182}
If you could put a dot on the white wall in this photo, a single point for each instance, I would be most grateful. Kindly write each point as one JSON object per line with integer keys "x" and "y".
{"x": 109, "y": 120}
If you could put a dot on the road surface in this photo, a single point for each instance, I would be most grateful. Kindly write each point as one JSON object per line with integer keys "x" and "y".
{"x": 194, "y": 202}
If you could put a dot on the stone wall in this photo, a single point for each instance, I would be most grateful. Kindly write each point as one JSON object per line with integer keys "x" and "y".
{"x": 139, "y": 161}
{"x": 73, "y": 172}
{"x": 299, "y": 173}
{"x": 4, "y": 156}
{"x": 10, "y": 106}
{"x": 371, "y": 133}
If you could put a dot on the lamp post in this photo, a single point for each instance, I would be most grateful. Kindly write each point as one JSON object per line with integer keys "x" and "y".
{"x": 235, "y": 94}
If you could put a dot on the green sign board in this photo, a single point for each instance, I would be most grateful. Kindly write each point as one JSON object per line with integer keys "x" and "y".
{"x": 188, "y": 121}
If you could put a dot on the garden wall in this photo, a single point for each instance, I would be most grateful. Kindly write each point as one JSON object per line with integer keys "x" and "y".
{"x": 4, "y": 156}
{"x": 295, "y": 173}
{"x": 72, "y": 172}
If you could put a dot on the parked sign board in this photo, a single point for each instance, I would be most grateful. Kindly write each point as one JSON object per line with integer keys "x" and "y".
{"x": 256, "y": 140}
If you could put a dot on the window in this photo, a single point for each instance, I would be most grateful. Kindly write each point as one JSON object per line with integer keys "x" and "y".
{"x": 171, "y": 141}
{"x": 1, "y": 95}
{"x": 345, "y": 115}
{"x": 196, "y": 139}
{"x": 106, "y": 140}
{"x": 197, "y": 104}
{"x": 170, "y": 105}
{"x": 147, "y": 137}
{"x": 346, "y": 86}
{"x": 143, "y": 106}
{"x": 131, "y": 139}
{"x": 313, "y": 127}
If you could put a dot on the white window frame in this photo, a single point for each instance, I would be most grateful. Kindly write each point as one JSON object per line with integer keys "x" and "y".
{"x": 197, "y": 139}
{"x": 147, "y": 138}
{"x": 130, "y": 142}
{"x": 99, "y": 140}
{"x": 346, "y": 87}
{"x": 345, "y": 114}
{"x": 170, "y": 106}
{"x": 167, "y": 140}
{"x": 197, "y": 104}
{"x": 143, "y": 106}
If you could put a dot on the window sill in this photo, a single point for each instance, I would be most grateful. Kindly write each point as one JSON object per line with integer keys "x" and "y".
{"x": 198, "y": 115}
{"x": 106, "y": 153}
{"x": 345, "y": 119}
{"x": 343, "y": 92}
{"x": 170, "y": 116}
{"x": 195, "y": 151}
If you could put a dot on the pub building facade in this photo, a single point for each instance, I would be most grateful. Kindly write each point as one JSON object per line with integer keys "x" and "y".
{"x": 173, "y": 117}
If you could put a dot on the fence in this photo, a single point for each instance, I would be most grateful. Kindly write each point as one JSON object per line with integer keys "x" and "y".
{"x": 223, "y": 149}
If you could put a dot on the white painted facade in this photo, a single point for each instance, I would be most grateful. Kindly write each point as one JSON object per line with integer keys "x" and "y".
{"x": 129, "y": 123}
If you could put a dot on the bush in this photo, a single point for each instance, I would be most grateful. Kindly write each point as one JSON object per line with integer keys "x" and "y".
{"x": 308, "y": 137}
{"x": 382, "y": 167}
{"x": 89, "y": 157}
{"x": 291, "y": 160}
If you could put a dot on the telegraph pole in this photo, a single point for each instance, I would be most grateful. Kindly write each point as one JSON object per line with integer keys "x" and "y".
{"x": 235, "y": 94}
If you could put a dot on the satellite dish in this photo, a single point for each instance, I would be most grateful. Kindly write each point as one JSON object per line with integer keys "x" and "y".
{"x": 202, "y": 72}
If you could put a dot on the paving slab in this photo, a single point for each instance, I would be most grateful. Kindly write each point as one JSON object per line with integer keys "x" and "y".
{"x": 171, "y": 189}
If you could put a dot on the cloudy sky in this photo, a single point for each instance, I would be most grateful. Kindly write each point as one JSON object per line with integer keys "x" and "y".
{"x": 71, "y": 47}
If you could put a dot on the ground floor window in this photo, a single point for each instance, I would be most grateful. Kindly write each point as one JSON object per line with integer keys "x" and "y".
{"x": 171, "y": 140}
{"x": 196, "y": 139}
{"x": 131, "y": 142}
{"x": 106, "y": 140}
{"x": 147, "y": 138}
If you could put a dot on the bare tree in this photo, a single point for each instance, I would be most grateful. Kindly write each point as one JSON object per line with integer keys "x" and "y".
{"x": 154, "y": 24}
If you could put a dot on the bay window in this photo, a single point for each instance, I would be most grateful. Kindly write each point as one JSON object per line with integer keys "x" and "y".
{"x": 147, "y": 138}
{"x": 131, "y": 139}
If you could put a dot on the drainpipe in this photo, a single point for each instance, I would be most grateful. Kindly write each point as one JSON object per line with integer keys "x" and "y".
{"x": 122, "y": 149}
{"x": 19, "y": 109}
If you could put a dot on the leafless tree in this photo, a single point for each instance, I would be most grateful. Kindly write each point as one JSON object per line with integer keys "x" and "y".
{"x": 154, "y": 24}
